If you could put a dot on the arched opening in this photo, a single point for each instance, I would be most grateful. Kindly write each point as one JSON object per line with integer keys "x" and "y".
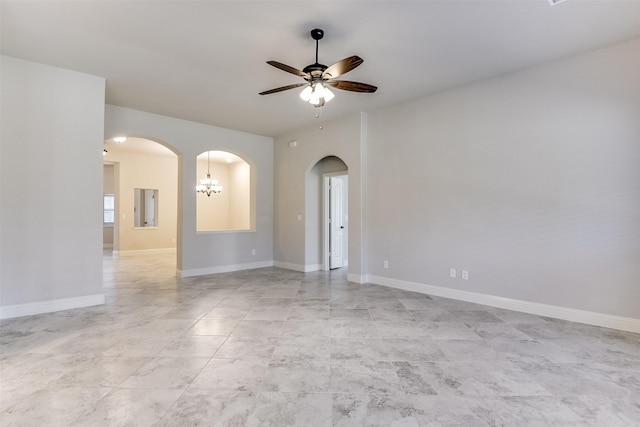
{"x": 327, "y": 215}
{"x": 141, "y": 175}
{"x": 225, "y": 192}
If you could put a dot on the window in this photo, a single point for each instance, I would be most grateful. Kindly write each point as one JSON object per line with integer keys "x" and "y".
{"x": 109, "y": 209}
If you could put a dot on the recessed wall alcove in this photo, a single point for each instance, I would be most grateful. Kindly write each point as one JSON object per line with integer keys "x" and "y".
{"x": 232, "y": 208}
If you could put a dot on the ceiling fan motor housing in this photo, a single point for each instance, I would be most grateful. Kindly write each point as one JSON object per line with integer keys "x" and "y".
{"x": 315, "y": 70}
{"x": 317, "y": 34}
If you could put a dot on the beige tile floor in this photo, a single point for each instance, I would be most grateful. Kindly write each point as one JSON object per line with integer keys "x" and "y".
{"x": 273, "y": 347}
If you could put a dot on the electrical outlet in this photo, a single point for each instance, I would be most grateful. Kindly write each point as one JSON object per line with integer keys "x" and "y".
{"x": 465, "y": 275}
{"x": 253, "y": 251}
{"x": 386, "y": 264}
{"x": 452, "y": 272}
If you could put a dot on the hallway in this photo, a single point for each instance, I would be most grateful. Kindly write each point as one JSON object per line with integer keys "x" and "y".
{"x": 277, "y": 347}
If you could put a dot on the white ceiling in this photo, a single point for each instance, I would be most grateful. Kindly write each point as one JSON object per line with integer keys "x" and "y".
{"x": 205, "y": 60}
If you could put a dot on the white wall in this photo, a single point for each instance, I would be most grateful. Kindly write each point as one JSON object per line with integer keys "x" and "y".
{"x": 208, "y": 252}
{"x": 530, "y": 181}
{"x": 51, "y": 188}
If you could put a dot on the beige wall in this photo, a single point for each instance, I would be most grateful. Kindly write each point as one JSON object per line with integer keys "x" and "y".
{"x": 239, "y": 196}
{"x": 107, "y": 180}
{"x": 108, "y": 187}
{"x": 213, "y": 211}
{"x": 144, "y": 170}
{"x": 231, "y": 208}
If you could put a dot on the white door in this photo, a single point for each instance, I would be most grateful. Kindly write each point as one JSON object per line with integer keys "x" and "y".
{"x": 336, "y": 222}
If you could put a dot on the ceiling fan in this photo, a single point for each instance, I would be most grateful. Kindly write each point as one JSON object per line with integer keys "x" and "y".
{"x": 319, "y": 76}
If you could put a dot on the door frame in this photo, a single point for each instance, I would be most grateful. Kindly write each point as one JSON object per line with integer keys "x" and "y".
{"x": 325, "y": 215}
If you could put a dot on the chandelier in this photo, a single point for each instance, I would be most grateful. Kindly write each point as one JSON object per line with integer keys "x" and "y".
{"x": 208, "y": 185}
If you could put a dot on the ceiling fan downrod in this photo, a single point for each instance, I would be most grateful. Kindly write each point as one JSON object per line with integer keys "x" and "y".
{"x": 317, "y": 34}
{"x": 316, "y": 69}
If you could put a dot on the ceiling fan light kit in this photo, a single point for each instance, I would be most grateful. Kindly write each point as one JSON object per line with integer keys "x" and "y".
{"x": 319, "y": 77}
{"x": 316, "y": 94}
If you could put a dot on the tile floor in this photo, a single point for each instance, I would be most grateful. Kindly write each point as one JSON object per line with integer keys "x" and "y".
{"x": 272, "y": 347}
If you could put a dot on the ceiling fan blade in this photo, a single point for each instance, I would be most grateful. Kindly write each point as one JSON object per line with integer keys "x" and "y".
{"x": 343, "y": 66}
{"x": 280, "y": 89}
{"x": 352, "y": 86}
{"x": 288, "y": 69}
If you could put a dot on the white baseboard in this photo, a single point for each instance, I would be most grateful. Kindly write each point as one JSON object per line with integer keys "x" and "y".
{"x": 357, "y": 278}
{"x": 39, "y": 307}
{"x": 313, "y": 267}
{"x": 223, "y": 269}
{"x": 289, "y": 266}
{"x": 298, "y": 267}
{"x": 564, "y": 313}
{"x": 145, "y": 252}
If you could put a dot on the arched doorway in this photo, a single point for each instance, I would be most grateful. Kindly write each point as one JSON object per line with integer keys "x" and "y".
{"x": 143, "y": 175}
{"x": 326, "y": 209}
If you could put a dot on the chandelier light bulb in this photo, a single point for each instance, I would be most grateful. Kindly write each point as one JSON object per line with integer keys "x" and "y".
{"x": 306, "y": 93}
{"x": 314, "y": 99}
{"x": 328, "y": 95}
{"x": 319, "y": 90}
